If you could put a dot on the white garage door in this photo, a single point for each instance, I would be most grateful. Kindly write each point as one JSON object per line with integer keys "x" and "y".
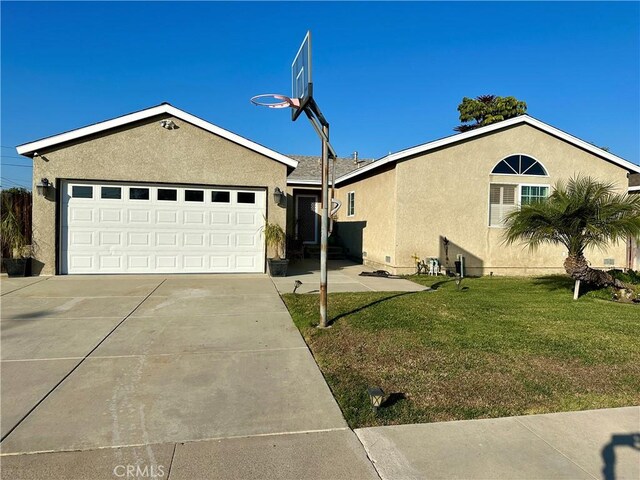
{"x": 128, "y": 228}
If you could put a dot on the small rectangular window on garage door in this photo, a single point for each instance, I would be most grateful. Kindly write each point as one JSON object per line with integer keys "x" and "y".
{"x": 220, "y": 197}
{"x": 168, "y": 194}
{"x": 246, "y": 197}
{"x": 136, "y": 193}
{"x": 111, "y": 192}
{"x": 78, "y": 191}
{"x": 193, "y": 196}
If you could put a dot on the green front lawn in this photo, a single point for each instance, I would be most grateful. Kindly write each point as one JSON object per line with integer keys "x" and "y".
{"x": 496, "y": 347}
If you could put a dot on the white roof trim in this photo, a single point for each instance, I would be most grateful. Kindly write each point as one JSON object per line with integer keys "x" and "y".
{"x": 29, "y": 148}
{"x": 316, "y": 183}
{"x": 293, "y": 181}
{"x": 635, "y": 189}
{"x": 425, "y": 147}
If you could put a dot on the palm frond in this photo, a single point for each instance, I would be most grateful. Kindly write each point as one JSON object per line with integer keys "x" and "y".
{"x": 580, "y": 212}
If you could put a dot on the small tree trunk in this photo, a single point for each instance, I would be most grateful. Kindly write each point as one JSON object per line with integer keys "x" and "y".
{"x": 578, "y": 268}
{"x": 576, "y": 290}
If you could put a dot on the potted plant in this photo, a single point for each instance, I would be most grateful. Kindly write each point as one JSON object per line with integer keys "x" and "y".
{"x": 275, "y": 237}
{"x": 14, "y": 240}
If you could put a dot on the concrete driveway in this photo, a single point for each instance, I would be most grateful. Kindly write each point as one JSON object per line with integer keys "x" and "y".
{"x": 188, "y": 373}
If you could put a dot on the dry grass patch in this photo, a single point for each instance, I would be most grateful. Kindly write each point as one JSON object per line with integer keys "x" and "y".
{"x": 501, "y": 347}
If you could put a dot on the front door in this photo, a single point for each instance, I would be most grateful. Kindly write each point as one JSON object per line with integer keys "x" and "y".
{"x": 307, "y": 218}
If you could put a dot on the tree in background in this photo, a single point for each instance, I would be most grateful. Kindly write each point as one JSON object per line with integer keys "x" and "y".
{"x": 488, "y": 109}
{"x": 579, "y": 214}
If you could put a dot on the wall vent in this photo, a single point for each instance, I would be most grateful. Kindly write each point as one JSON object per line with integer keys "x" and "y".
{"x": 364, "y": 254}
{"x": 609, "y": 261}
{"x": 387, "y": 259}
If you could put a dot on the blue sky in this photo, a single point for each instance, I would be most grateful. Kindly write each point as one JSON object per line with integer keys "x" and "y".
{"x": 386, "y": 75}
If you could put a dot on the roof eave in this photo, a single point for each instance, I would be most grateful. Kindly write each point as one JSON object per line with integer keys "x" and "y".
{"x": 28, "y": 149}
{"x": 522, "y": 119}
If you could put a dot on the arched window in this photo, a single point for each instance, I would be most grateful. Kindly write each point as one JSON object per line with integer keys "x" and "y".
{"x": 519, "y": 165}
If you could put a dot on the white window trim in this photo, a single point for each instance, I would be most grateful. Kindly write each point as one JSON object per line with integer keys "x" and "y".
{"x": 351, "y": 203}
{"x": 518, "y": 196}
{"x": 519, "y": 174}
{"x": 520, "y": 185}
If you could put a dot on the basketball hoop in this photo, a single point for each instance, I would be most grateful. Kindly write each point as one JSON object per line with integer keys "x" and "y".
{"x": 275, "y": 100}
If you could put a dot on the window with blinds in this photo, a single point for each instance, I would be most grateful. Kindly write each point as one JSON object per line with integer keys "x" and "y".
{"x": 502, "y": 201}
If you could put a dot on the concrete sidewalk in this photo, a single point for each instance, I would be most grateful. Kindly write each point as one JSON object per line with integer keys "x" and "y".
{"x": 343, "y": 276}
{"x": 591, "y": 444}
{"x": 331, "y": 455}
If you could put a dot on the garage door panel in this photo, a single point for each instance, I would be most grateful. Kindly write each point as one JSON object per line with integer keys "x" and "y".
{"x": 247, "y": 218}
{"x": 194, "y": 239}
{"x": 110, "y": 238}
{"x": 168, "y": 217}
{"x": 139, "y": 216}
{"x": 245, "y": 240}
{"x": 82, "y": 214}
{"x": 111, "y": 215}
{"x": 81, "y": 238}
{"x": 169, "y": 235}
{"x": 166, "y": 262}
{"x": 139, "y": 239}
{"x": 82, "y": 261}
{"x": 248, "y": 262}
{"x": 194, "y": 262}
{"x": 166, "y": 239}
{"x": 220, "y": 218}
{"x": 222, "y": 239}
{"x": 110, "y": 262}
{"x": 194, "y": 218}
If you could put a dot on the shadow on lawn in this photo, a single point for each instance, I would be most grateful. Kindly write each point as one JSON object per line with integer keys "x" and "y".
{"x": 563, "y": 283}
{"x": 393, "y": 398}
{"x": 439, "y": 284}
{"x": 555, "y": 282}
{"x": 377, "y": 302}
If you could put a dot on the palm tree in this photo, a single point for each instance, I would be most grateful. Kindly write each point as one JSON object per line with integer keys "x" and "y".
{"x": 579, "y": 213}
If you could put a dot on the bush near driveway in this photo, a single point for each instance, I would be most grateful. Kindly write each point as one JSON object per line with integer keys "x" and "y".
{"x": 496, "y": 347}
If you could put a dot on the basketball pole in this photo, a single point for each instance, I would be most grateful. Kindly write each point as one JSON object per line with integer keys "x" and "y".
{"x": 321, "y": 126}
{"x": 324, "y": 231}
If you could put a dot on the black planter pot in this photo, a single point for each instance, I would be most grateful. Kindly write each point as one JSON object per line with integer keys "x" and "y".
{"x": 278, "y": 268}
{"x": 17, "y": 267}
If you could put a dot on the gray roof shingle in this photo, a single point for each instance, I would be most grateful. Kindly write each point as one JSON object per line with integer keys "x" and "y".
{"x": 309, "y": 167}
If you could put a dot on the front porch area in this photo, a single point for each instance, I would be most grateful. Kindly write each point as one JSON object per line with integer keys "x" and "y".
{"x": 343, "y": 276}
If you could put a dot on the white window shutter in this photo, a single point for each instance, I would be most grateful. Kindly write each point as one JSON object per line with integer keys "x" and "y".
{"x": 502, "y": 201}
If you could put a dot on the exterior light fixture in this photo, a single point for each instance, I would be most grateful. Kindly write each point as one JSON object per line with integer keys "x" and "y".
{"x": 43, "y": 187}
{"x": 376, "y": 395}
{"x": 296, "y": 285}
{"x": 168, "y": 124}
{"x": 278, "y": 196}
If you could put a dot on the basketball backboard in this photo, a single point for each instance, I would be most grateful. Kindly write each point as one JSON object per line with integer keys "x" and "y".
{"x": 301, "y": 84}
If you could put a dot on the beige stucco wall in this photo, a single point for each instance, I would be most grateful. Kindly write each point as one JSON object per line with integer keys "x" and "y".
{"x": 445, "y": 193}
{"x": 146, "y": 152}
{"x": 371, "y": 232}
